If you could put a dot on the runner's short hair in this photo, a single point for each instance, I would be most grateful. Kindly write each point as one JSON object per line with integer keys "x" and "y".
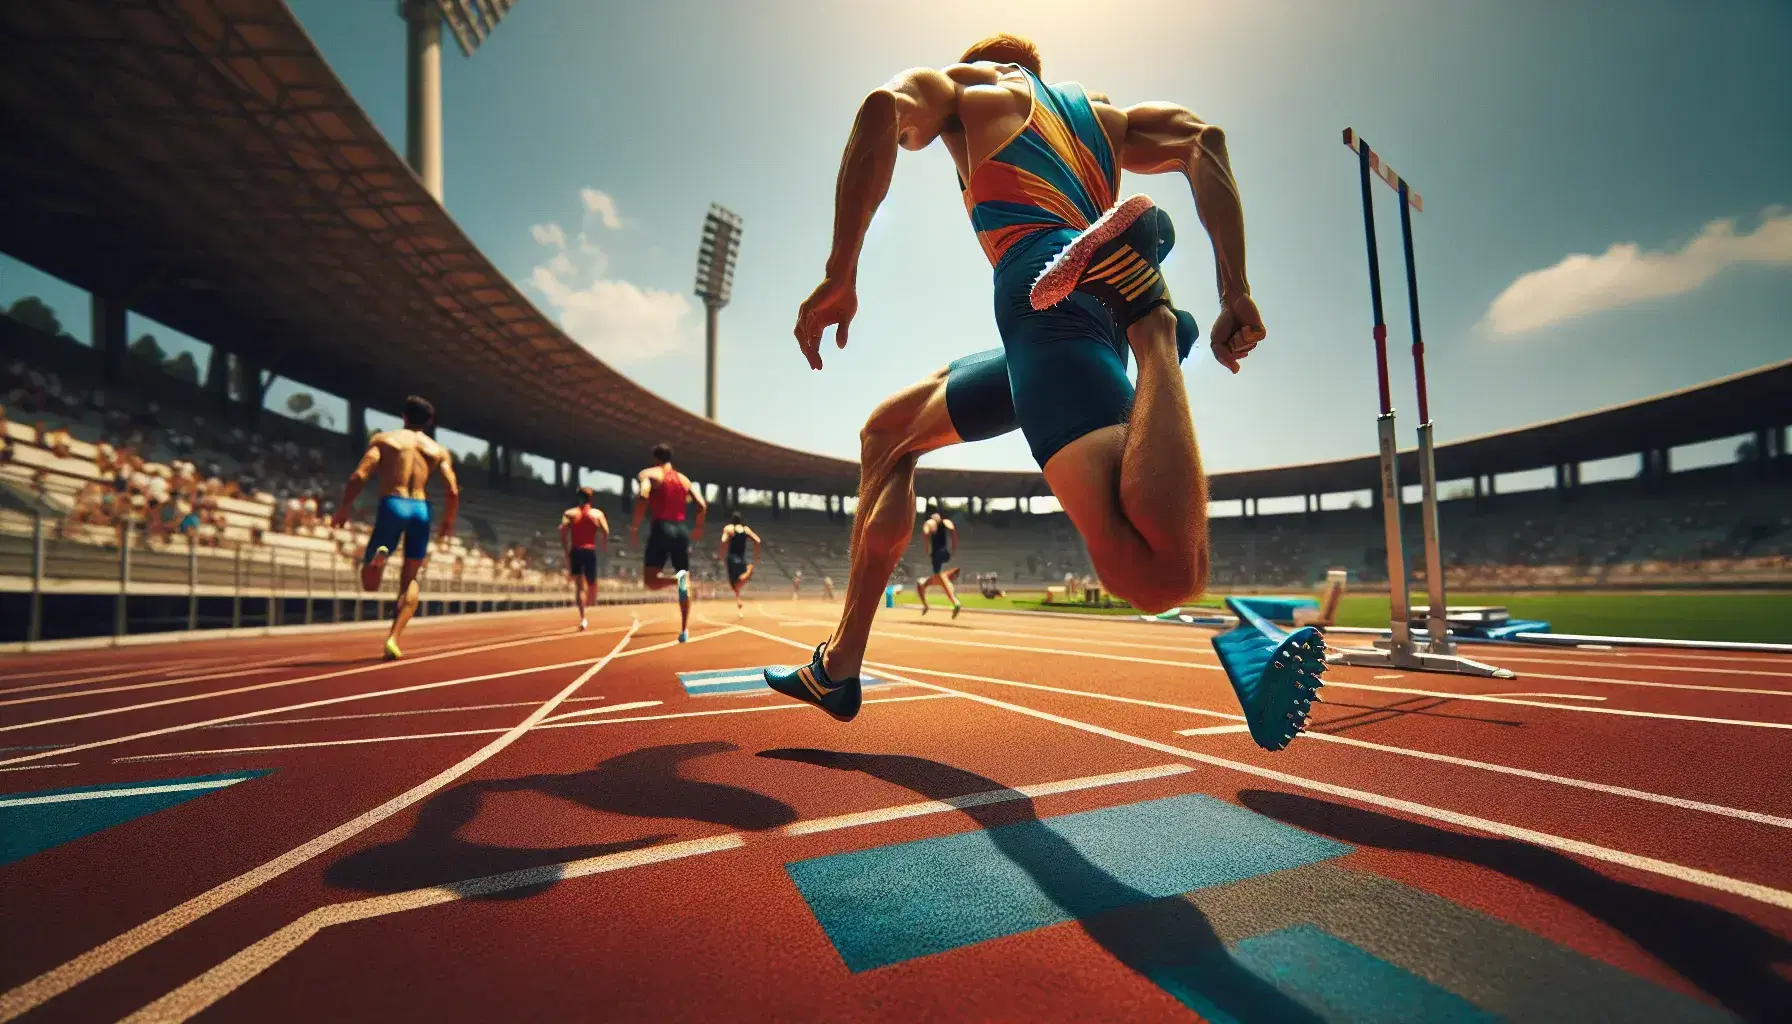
{"x": 662, "y": 454}
{"x": 738, "y": 519}
{"x": 585, "y": 495}
{"x": 1004, "y": 48}
{"x": 418, "y": 412}
{"x": 933, "y": 510}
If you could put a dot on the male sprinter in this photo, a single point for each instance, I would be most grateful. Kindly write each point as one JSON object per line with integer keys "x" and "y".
{"x": 734, "y": 552}
{"x": 942, "y": 544}
{"x": 666, "y": 491}
{"x": 404, "y": 459}
{"x": 1075, "y": 272}
{"x": 581, "y": 527}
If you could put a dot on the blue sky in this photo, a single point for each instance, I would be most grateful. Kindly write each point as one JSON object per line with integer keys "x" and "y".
{"x": 1541, "y": 135}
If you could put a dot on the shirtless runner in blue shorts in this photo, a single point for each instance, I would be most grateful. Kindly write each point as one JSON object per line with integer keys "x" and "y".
{"x": 1077, "y": 288}
{"x": 404, "y": 459}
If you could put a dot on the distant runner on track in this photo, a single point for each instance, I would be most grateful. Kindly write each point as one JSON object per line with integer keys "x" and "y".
{"x": 404, "y": 459}
{"x": 735, "y": 537}
{"x": 942, "y": 544}
{"x": 665, "y": 491}
{"x": 582, "y": 527}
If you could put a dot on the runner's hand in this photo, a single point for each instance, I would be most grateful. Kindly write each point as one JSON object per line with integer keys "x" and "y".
{"x": 833, "y": 303}
{"x": 339, "y": 519}
{"x": 446, "y": 532}
{"x": 1237, "y": 331}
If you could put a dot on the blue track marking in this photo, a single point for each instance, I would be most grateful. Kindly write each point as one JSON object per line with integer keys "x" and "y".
{"x": 894, "y": 903}
{"x": 34, "y": 822}
{"x": 740, "y": 680}
{"x": 1333, "y": 979}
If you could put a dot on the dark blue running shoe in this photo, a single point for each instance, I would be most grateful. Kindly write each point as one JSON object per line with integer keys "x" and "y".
{"x": 1275, "y": 674}
{"x": 811, "y": 685}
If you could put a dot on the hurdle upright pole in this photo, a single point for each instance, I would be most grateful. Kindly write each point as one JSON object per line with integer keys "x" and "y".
{"x": 1399, "y": 607}
{"x": 1437, "y": 624}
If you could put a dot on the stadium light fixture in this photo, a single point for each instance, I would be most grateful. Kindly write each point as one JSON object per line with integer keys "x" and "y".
{"x": 471, "y": 21}
{"x": 716, "y": 254}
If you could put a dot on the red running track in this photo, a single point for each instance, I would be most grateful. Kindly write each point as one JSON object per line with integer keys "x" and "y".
{"x": 1609, "y": 835}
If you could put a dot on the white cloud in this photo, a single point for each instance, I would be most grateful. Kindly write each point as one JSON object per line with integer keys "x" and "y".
{"x": 602, "y": 204}
{"x": 617, "y": 321}
{"x": 1625, "y": 275}
{"x": 548, "y": 234}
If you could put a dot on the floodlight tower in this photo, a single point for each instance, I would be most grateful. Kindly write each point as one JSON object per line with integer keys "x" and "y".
{"x": 715, "y": 282}
{"x": 470, "y": 21}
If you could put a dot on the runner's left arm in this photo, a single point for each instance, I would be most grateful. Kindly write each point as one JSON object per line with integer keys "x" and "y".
{"x": 1163, "y": 137}
{"x": 566, "y": 536}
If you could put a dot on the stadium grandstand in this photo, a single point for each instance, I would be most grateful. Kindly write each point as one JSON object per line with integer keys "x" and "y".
{"x": 214, "y": 175}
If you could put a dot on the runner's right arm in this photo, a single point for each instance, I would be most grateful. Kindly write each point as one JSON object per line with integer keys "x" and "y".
{"x": 370, "y": 462}
{"x": 566, "y": 536}
{"x": 702, "y": 505}
{"x": 643, "y": 484}
{"x": 908, "y": 113}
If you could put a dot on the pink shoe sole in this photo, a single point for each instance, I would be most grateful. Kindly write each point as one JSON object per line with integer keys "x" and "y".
{"x": 1061, "y": 276}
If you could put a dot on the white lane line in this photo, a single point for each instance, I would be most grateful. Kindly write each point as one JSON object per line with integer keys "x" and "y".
{"x": 607, "y": 709}
{"x": 1694, "y": 876}
{"x": 395, "y": 714}
{"x": 983, "y": 799}
{"x": 376, "y": 667}
{"x": 1115, "y": 698}
{"x": 1560, "y": 696}
{"x": 1649, "y": 667}
{"x": 368, "y": 695}
{"x": 166, "y": 668}
{"x": 72, "y": 695}
{"x": 1732, "y": 812}
{"x": 54, "y": 982}
{"x": 1078, "y": 639}
{"x": 1598, "y": 787}
{"x": 35, "y": 767}
{"x": 1624, "y": 712}
{"x": 556, "y": 722}
{"x": 362, "y": 740}
{"x": 107, "y": 794}
{"x": 325, "y": 702}
{"x": 1650, "y": 684}
{"x": 204, "y": 991}
{"x": 1216, "y": 668}
{"x": 1394, "y": 675}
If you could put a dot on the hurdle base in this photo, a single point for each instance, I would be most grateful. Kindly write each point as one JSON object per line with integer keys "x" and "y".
{"x": 1418, "y": 657}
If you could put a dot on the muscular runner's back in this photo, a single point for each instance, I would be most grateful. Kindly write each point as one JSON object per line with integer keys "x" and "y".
{"x": 407, "y": 458}
{"x": 994, "y": 107}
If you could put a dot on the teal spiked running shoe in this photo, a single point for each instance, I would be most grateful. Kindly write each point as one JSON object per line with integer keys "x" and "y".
{"x": 1275, "y": 674}
{"x": 811, "y": 685}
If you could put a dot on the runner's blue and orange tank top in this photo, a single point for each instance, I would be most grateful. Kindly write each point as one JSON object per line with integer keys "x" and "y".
{"x": 1058, "y": 171}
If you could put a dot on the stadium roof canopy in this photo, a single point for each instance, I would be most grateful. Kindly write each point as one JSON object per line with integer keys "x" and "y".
{"x": 199, "y": 162}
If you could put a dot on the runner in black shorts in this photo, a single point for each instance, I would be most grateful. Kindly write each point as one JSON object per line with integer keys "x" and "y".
{"x": 666, "y": 491}
{"x": 942, "y": 544}
{"x": 734, "y": 552}
{"x": 581, "y": 528}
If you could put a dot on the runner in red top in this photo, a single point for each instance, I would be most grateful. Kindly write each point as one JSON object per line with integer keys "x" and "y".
{"x": 581, "y": 528}
{"x": 666, "y": 491}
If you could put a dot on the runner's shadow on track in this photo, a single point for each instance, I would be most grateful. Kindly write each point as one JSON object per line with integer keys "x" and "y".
{"x": 1370, "y": 714}
{"x": 641, "y": 783}
{"x": 1725, "y": 955}
{"x": 1154, "y": 936}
